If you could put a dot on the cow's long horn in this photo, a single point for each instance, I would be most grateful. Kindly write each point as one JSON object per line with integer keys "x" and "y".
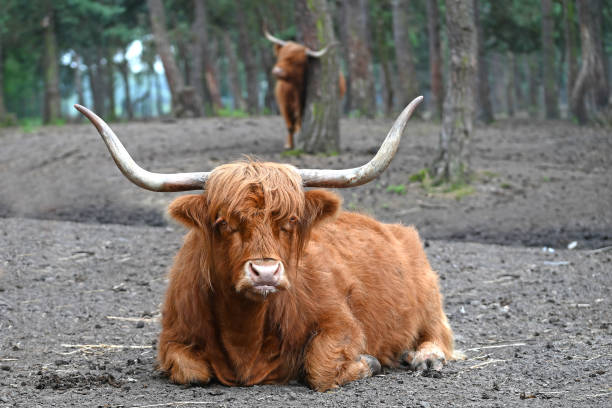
{"x": 369, "y": 171}
{"x": 274, "y": 39}
{"x": 320, "y": 53}
{"x": 135, "y": 173}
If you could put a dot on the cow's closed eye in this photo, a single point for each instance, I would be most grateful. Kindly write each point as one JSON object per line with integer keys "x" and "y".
{"x": 289, "y": 225}
{"x": 222, "y": 225}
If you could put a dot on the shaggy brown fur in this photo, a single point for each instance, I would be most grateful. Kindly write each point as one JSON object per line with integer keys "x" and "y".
{"x": 352, "y": 287}
{"x": 290, "y": 71}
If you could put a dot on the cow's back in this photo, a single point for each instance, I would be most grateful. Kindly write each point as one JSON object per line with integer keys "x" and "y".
{"x": 380, "y": 271}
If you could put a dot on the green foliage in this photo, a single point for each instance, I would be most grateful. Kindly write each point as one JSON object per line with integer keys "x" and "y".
{"x": 399, "y": 189}
{"x": 292, "y": 153}
{"x": 232, "y": 113}
{"x": 29, "y": 125}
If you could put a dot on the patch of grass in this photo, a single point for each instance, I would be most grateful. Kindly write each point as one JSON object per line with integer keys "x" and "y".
{"x": 459, "y": 190}
{"x": 399, "y": 189}
{"x": 489, "y": 174}
{"x": 58, "y": 122}
{"x": 232, "y": 113}
{"x": 292, "y": 153}
{"x": 545, "y": 179}
{"x": 332, "y": 153}
{"x": 505, "y": 186}
{"x": 29, "y": 125}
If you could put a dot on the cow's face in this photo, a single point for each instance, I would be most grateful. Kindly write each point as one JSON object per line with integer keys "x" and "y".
{"x": 255, "y": 219}
{"x": 291, "y": 60}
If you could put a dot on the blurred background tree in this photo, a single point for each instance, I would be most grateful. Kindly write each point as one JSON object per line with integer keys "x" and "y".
{"x": 547, "y": 59}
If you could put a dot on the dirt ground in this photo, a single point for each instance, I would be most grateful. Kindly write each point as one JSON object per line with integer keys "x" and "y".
{"x": 84, "y": 253}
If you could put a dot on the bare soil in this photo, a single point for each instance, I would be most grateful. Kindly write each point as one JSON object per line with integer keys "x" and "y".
{"x": 84, "y": 253}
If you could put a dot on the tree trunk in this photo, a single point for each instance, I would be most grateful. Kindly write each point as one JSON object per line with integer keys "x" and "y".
{"x": 435, "y": 58}
{"x": 52, "y": 95}
{"x": 453, "y": 163}
{"x": 360, "y": 60}
{"x": 184, "y": 98}
{"x": 483, "y": 94}
{"x": 407, "y": 85}
{"x": 110, "y": 86}
{"x": 592, "y": 75}
{"x": 124, "y": 68}
{"x": 267, "y": 63}
{"x": 233, "y": 76}
{"x": 320, "y": 131}
{"x": 250, "y": 65}
{"x": 2, "y": 107}
{"x": 204, "y": 72}
{"x": 211, "y": 76}
{"x": 569, "y": 32}
{"x": 534, "y": 85}
{"x": 510, "y": 83}
{"x": 551, "y": 97}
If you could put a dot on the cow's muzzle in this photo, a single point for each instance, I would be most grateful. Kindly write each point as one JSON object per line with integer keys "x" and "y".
{"x": 278, "y": 72}
{"x": 265, "y": 275}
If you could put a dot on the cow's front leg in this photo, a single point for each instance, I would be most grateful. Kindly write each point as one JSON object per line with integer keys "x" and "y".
{"x": 183, "y": 365}
{"x": 335, "y": 357}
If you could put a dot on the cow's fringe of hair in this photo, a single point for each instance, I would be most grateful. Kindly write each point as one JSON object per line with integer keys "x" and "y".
{"x": 237, "y": 187}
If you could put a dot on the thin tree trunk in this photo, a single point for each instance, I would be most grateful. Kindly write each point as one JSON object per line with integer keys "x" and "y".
{"x": 267, "y": 63}
{"x": 52, "y": 95}
{"x": 360, "y": 59}
{"x": 534, "y": 84}
{"x": 510, "y": 83}
{"x": 592, "y": 75}
{"x": 551, "y": 97}
{"x": 320, "y": 130}
{"x": 453, "y": 163}
{"x": 569, "y": 32}
{"x": 110, "y": 85}
{"x": 183, "y": 98}
{"x": 483, "y": 94}
{"x": 404, "y": 54}
{"x": 250, "y": 65}
{"x": 204, "y": 70}
{"x": 211, "y": 76}
{"x": 124, "y": 68}
{"x": 233, "y": 76}
{"x": 159, "y": 100}
{"x": 435, "y": 58}
{"x": 3, "y": 114}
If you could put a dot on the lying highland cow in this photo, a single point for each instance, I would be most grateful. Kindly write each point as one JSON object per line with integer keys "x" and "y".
{"x": 290, "y": 73}
{"x": 274, "y": 283}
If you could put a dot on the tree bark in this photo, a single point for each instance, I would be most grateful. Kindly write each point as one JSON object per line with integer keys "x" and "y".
{"x": 2, "y": 107}
{"x": 344, "y": 50}
{"x": 534, "y": 85}
{"x": 510, "y": 83}
{"x": 250, "y": 65}
{"x": 551, "y": 96}
{"x": 592, "y": 75}
{"x": 52, "y": 95}
{"x": 483, "y": 94}
{"x": 110, "y": 85}
{"x": 569, "y": 32}
{"x": 360, "y": 59}
{"x": 204, "y": 69}
{"x": 453, "y": 162}
{"x": 404, "y": 54}
{"x": 184, "y": 98}
{"x": 320, "y": 131}
{"x": 124, "y": 69}
{"x": 233, "y": 76}
{"x": 435, "y": 58}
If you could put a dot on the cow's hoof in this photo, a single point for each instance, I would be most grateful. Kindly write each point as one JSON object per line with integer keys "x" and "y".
{"x": 373, "y": 363}
{"x": 426, "y": 358}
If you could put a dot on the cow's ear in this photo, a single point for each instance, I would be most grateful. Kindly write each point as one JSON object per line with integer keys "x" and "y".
{"x": 277, "y": 48}
{"x": 321, "y": 205}
{"x": 189, "y": 210}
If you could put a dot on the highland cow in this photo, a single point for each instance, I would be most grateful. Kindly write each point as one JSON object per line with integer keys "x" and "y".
{"x": 276, "y": 283}
{"x": 290, "y": 72}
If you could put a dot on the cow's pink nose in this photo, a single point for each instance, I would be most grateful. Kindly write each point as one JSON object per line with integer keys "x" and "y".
{"x": 265, "y": 272}
{"x": 277, "y": 71}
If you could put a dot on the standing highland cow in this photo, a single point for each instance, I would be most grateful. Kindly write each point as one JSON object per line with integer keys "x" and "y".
{"x": 290, "y": 73}
{"x": 274, "y": 283}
